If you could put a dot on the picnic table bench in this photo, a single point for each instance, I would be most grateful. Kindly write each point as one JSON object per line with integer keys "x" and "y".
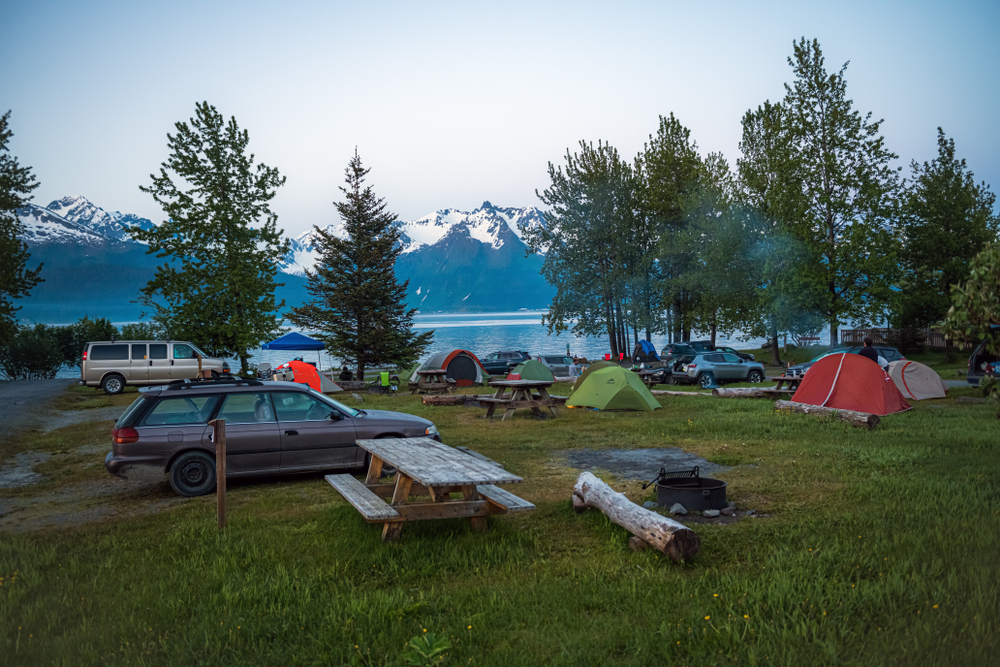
{"x": 779, "y": 389}
{"x": 647, "y": 377}
{"x": 521, "y": 396}
{"x": 427, "y": 468}
{"x": 432, "y": 380}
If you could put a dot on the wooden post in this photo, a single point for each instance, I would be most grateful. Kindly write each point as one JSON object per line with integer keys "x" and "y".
{"x": 219, "y": 426}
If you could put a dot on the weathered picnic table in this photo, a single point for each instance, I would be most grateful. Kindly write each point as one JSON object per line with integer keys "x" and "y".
{"x": 432, "y": 380}
{"x": 648, "y": 377}
{"x": 521, "y": 396}
{"x": 426, "y": 467}
{"x": 779, "y": 389}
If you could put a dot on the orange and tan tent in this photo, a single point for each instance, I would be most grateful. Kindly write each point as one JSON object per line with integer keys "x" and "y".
{"x": 850, "y": 382}
{"x": 917, "y": 381}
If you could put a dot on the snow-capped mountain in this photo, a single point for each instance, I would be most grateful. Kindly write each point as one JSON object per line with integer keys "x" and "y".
{"x": 76, "y": 220}
{"x": 491, "y": 225}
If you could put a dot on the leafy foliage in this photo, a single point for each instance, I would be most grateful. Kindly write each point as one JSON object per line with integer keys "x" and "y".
{"x": 426, "y": 650}
{"x": 71, "y": 339}
{"x": 32, "y": 353}
{"x": 358, "y": 308}
{"x": 16, "y": 182}
{"x": 143, "y": 331}
{"x": 946, "y": 220}
{"x": 222, "y": 233}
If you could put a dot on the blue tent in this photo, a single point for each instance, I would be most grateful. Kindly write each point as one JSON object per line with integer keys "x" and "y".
{"x": 644, "y": 352}
{"x": 295, "y": 341}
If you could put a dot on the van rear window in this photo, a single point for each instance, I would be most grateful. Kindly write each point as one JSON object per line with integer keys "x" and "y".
{"x": 108, "y": 352}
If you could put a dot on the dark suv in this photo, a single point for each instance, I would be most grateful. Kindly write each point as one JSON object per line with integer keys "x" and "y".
{"x": 271, "y": 428}
{"x": 501, "y": 363}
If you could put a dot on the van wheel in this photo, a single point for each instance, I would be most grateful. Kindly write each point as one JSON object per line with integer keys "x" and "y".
{"x": 193, "y": 474}
{"x": 113, "y": 384}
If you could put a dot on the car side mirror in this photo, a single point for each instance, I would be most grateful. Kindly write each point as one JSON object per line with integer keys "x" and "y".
{"x": 335, "y": 416}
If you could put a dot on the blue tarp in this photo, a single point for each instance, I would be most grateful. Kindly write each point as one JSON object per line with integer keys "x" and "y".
{"x": 648, "y": 347}
{"x": 294, "y": 341}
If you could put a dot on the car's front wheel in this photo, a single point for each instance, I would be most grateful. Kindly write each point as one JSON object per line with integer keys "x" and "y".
{"x": 193, "y": 474}
{"x": 755, "y": 376}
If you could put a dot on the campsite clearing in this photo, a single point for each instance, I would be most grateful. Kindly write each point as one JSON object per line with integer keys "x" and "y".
{"x": 880, "y": 546}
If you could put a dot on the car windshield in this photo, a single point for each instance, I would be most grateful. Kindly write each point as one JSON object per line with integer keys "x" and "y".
{"x": 838, "y": 350}
{"x": 350, "y": 412}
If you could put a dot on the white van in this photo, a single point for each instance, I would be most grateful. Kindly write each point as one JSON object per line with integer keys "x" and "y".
{"x": 111, "y": 365}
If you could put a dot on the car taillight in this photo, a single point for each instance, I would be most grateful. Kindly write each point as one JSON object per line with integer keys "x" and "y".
{"x": 692, "y": 365}
{"x": 123, "y": 436}
{"x": 85, "y": 354}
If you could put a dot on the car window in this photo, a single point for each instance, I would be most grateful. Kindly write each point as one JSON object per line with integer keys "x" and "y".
{"x": 553, "y": 360}
{"x": 157, "y": 350}
{"x": 247, "y": 409}
{"x": 567, "y": 360}
{"x": 296, "y": 407}
{"x": 731, "y": 358}
{"x": 714, "y": 358}
{"x": 491, "y": 357}
{"x": 138, "y": 351}
{"x": 109, "y": 352}
{"x": 181, "y": 410}
{"x": 350, "y": 412}
{"x": 183, "y": 351}
{"x": 125, "y": 419}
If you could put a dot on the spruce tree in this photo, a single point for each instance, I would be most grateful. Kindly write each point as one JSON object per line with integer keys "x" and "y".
{"x": 358, "y": 307}
{"x": 220, "y": 236}
{"x": 16, "y": 182}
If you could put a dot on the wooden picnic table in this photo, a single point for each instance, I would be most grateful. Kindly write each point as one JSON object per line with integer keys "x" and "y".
{"x": 428, "y": 468}
{"x": 432, "y": 380}
{"x": 779, "y": 389}
{"x": 520, "y": 396}
{"x": 647, "y": 376}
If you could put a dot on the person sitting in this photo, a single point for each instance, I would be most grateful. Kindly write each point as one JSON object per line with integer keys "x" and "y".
{"x": 868, "y": 351}
{"x": 346, "y": 375}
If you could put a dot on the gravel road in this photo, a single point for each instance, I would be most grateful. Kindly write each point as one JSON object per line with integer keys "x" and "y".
{"x": 24, "y": 404}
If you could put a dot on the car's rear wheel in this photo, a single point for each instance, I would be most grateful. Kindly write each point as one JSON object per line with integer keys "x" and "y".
{"x": 706, "y": 381}
{"x": 755, "y": 376}
{"x": 193, "y": 474}
{"x": 669, "y": 379}
{"x": 113, "y": 384}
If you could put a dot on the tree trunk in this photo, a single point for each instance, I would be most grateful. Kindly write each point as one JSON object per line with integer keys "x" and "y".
{"x": 672, "y": 538}
{"x": 775, "y": 354}
{"x": 712, "y": 328}
{"x": 610, "y": 316}
{"x": 859, "y": 419}
{"x": 834, "y": 331}
{"x": 739, "y": 392}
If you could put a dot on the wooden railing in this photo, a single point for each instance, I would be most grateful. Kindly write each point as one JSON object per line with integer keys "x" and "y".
{"x": 885, "y": 336}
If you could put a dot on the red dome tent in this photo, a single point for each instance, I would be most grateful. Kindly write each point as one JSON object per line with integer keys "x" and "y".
{"x": 850, "y": 382}
{"x": 460, "y": 365}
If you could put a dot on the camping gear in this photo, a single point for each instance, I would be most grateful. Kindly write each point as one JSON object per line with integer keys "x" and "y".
{"x": 917, "y": 381}
{"x": 612, "y": 389}
{"x": 296, "y": 341}
{"x": 850, "y": 382}
{"x": 597, "y": 365}
{"x": 307, "y": 374}
{"x": 532, "y": 370}
{"x": 460, "y": 365}
{"x": 690, "y": 489}
{"x": 644, "y": 353}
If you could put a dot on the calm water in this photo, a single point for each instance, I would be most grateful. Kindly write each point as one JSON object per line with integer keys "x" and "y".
{"x": 482, "y": 333}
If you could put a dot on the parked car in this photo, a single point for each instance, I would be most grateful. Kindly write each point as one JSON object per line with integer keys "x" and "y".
{"x": 978, "y": 363}
{"x": 501, "y": 363}
{"x": 271, "y": 428}
{"x": 673, "y": 351}
{"x": 742, "y": 355}
{"x": 890, "y": 354}
{"x": 111, "y": 365}
{"x": 711, "y": 368}
{"x": 559, "y": 364}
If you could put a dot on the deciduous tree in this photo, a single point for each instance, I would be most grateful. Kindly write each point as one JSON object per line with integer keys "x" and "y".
{"x": 358, "y": 307}
{"x": 220, "y": 236}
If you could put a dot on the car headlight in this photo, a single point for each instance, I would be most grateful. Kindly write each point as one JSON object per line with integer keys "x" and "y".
{"x": 431, "y": 430}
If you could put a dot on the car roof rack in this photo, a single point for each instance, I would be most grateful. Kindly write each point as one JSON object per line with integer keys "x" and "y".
{"x": 232, "y": 380}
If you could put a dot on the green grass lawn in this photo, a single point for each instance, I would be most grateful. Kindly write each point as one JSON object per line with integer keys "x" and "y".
{"x": 879, "y": 548}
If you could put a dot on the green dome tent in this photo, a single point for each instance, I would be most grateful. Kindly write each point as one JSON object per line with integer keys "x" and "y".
{"x": 534, "y": 370}
{"x": 612, "y": 389}
{"x": 597, "y": 365}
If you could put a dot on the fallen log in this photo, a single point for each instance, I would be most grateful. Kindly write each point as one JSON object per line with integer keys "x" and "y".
{"x": 665, "y": 392}
{"x": 739, "y": 392}
{"x": 664, "y": 534}
{"x": 852, "y": 417}
{"x": 458, "y": 399}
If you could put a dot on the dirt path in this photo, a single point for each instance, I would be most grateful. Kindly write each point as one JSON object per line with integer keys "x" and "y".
{"x": 25, "y": 404}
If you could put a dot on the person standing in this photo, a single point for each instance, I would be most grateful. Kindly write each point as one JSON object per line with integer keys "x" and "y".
{"x": 869, "y": 351}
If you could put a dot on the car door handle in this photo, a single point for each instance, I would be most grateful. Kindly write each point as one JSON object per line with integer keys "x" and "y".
{"x": 291, "y": 432}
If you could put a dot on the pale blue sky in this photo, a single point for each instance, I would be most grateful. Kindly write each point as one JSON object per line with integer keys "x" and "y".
{"x": 454, "y": 103}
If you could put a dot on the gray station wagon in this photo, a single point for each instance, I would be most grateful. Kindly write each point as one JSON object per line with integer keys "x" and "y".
{"x": 271, "y": 428}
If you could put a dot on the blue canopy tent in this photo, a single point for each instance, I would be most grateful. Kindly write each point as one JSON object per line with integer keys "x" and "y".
{"x": 296, "y": 341}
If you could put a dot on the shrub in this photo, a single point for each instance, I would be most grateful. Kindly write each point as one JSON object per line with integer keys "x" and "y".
{"x": 31, "y": 354}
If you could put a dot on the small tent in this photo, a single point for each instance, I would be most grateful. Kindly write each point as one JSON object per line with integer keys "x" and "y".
{"x": 644, "y": 353}
{"x": 850, "y": 382}
{"x": 307, "y": 374}
{"x": 596, "y": 366}
{"x": 917, "y": 381}
{"x": 533, "y": 370}
{"x": 612, "y": 388}
{"x": 459, "y": 365}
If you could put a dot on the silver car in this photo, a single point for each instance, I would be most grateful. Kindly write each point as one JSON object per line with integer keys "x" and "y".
{"x": 557, "y": 363}
{"x": 711, "y": 368}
